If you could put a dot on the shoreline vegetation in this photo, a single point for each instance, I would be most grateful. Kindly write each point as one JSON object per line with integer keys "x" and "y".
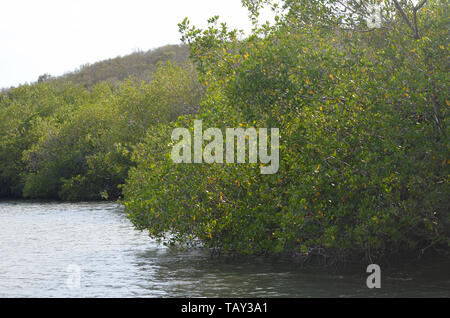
{"x": 359, "y": 93}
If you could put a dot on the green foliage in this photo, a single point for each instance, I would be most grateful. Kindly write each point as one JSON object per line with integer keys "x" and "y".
{"x": 20, "y": 109}
{"x": 364, "y": 152}
{"x": 62, "y": 141}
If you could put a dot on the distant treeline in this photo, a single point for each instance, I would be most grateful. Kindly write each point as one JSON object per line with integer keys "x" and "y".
{"x": 72, "y": 137}
{"x": 137, "y": 66}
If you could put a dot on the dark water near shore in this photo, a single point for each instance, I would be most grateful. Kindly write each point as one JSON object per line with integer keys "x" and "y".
{"x": 92, "y": 250}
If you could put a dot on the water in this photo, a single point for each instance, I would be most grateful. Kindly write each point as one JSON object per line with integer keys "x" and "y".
{"x": 43, "y": 245}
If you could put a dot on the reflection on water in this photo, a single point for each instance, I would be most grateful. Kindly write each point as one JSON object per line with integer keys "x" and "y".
{"x": 41, "y": 242}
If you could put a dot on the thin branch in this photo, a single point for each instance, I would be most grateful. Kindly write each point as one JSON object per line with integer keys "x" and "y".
{"x": 354, "y": 11}
{"x": 416, "y": 28}
{"x": 405, "y": 17}
{"x": 417, "y": 8}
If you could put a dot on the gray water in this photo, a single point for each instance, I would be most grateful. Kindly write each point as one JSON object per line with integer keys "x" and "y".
{"x": 43, "y": 246}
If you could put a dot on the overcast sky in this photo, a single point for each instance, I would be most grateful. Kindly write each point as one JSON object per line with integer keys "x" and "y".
{"x": 57, "y": 36}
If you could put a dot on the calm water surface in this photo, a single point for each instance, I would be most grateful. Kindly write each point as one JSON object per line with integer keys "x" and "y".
{"x": 42, "y": 243}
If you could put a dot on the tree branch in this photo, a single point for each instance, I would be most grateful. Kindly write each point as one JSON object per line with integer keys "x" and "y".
{"x": 416, "y": 28}
{"x": 417, "y": 8}
{"x": 405, "y": 17}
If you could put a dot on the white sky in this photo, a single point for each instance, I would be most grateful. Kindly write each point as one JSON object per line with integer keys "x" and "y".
{"x": 57, "y": 36}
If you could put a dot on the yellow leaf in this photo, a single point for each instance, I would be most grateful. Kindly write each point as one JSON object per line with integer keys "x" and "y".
{"x": 332, "y": 77}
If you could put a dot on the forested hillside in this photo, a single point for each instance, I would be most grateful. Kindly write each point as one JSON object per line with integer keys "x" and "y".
{"x": 138, "y": 65}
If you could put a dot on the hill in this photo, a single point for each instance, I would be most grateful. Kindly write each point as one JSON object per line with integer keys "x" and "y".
{"x": 138, "y": 65}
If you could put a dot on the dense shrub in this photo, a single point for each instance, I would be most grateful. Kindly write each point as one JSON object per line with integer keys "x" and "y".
{"x": 63, "y": 141}
{"x": 364, "y": 150}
